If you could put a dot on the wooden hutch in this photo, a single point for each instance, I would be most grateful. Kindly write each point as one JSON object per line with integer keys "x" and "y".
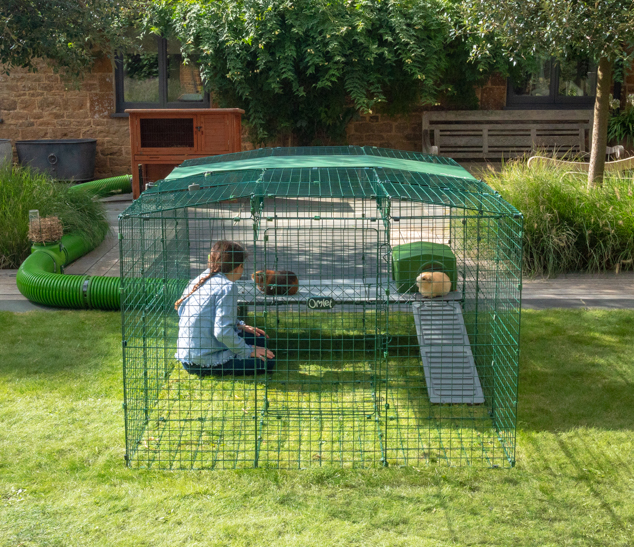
{"x": 162, "y": 139}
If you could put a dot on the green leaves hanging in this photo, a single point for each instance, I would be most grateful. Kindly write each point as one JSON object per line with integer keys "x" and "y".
{"x": 305, "y": 67}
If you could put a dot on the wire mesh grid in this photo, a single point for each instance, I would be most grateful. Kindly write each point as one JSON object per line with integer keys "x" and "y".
{"x": 357, "y": 357}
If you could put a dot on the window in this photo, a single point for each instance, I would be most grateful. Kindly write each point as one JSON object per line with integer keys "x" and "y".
{"x": 569, "y": 84}
{"x": 157, "y": 78}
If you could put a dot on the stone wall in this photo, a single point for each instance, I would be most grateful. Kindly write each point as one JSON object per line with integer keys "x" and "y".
{"x": 403, "y": 132}
{"x": 41, "y": 105}
{"x": 406, "y": 132}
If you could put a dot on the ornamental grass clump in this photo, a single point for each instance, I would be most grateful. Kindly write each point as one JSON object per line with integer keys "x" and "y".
{"x": 22, "y": 190}
{"x": 568, "y": 227}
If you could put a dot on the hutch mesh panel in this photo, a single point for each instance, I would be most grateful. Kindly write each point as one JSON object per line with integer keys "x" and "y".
{"x": 367, "y": 371}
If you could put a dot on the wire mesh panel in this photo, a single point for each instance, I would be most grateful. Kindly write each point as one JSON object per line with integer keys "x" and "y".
{"x": 370, "y": 367}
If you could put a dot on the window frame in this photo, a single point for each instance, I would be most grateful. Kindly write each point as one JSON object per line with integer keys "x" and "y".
{"x": 163, "y": 104}
{"x": 553, "y": 101}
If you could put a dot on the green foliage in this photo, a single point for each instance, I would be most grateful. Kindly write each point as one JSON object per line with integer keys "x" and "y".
{"x": 304, "y": 68}
{"x": 66, "y": 33}
{"x": 64, "y": 481}
{"x": 621, "y": 124}
{"x": 527, "y": 30}
{"x": 569, "y": 29}
{"x": 567, "y": 227}
{"x": 141, "y": 66}
{"x": 22, "y": 190}
{"x": 463, "y": 74}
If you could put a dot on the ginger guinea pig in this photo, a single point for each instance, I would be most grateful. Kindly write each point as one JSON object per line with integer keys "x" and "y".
{"x": 432, "y": 284}
{"x": 274, "y": 283}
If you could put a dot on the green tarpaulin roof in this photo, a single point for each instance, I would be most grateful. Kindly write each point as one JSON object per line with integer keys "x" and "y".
{"x": 334, "y": 172}
{"x": 192, "y": 168}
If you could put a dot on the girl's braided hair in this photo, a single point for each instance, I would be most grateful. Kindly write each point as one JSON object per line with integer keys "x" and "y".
{"x": 225, "y": 256}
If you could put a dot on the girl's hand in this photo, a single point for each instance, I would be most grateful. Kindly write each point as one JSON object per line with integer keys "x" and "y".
{"x": 262, "y": 353}
{"x": 252, "y": 330}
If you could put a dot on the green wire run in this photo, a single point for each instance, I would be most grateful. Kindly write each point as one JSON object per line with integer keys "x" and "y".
{"x": 368, "y": 372}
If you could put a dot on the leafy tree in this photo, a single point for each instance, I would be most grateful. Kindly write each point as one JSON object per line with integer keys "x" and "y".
{"x": 305, "y": 67}
{"x": 68, "y": 34}
{"x": 527, "y": 29}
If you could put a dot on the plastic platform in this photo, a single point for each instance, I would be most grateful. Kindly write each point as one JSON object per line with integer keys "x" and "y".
{"x": 343, "y": 291}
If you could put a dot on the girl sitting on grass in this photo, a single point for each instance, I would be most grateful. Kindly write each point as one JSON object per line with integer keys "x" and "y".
{"x": 211, "y": 340}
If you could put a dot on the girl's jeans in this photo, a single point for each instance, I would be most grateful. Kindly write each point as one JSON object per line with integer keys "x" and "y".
{"x": 236, "y": 367}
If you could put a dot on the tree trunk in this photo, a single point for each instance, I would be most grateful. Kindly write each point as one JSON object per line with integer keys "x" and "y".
{"x": 600, "y": 123}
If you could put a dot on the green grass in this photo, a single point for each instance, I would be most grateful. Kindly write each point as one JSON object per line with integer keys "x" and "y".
{"x": 566, "y": 226}
{"x": 63, "y": 482}
{"x": 22, "y": 190}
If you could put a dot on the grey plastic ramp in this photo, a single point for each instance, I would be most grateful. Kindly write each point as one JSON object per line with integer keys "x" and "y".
{"x": 448, "y": 363}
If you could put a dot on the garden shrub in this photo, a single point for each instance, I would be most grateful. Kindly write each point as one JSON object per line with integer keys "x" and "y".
{"x": 568, "y": 227}
{"x": 621, "y": 124}
{"x": 22, "y": 190}
{"x": 305, "y": 68}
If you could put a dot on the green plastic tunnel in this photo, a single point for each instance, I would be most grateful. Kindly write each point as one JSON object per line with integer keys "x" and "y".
{"x": 40, "y": 278}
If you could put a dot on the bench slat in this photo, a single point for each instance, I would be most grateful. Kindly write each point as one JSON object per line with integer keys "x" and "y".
{"x": 484, "y": 116}
{"x": 505, "y": 133}
{"x": 515, "y": 126}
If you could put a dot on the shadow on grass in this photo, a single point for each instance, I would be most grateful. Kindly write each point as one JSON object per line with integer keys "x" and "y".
{"x": 576, "y": 370}
{"x": 59, "y": 345}
{"x": 317, "y": 361}
{"x": 591, "y": 466}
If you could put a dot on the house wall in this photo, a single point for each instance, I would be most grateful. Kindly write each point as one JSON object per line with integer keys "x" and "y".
{"x": 41, "y": 105}
{"x": 406, "y": 132}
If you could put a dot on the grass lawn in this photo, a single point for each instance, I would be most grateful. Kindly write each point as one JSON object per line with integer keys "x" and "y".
{"x": 63, "y": 482}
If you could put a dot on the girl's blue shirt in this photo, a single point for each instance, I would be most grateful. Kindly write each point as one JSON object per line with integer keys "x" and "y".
{"x": 207, "y": 326}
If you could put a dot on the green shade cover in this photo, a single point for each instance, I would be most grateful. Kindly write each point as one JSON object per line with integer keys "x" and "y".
{"x": 298, "y": 162}
{"x": 409, "y": 260}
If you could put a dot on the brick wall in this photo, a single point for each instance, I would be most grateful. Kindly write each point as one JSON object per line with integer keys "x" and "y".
{"x": 403, "y": 132}
{"x": 41, "y": 106}
{"x": 492, "y": 95}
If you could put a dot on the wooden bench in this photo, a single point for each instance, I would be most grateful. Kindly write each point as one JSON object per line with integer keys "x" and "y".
{"x": 497, "y": 134}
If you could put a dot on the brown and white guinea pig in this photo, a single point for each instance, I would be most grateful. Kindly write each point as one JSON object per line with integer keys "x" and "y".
{"x": 431, "y": 284}
{"x": 276, "y": 282}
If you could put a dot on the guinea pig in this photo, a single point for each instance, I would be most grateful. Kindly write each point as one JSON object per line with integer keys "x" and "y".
{"x": 278, "y": 283}
{"x": 431, "y": 284}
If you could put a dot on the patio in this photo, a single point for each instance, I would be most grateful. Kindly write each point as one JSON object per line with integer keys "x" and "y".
{"x": 603, "y": 291}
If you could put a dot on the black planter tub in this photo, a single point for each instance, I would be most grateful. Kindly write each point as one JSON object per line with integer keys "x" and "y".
{"x": 62, "y": 159}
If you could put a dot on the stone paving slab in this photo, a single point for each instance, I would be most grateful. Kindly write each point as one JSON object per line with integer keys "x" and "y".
{"x": 606, "y": 291}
